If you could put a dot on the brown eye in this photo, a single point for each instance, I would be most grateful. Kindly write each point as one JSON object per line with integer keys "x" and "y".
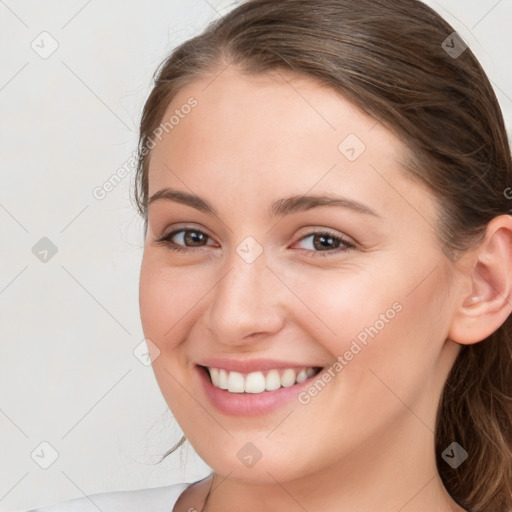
{"x": 188, "y": 239}
{"x": 327, "y": 243}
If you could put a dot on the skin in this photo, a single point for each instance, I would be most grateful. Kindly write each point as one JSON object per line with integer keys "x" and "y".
{"x": 366, "y": 441}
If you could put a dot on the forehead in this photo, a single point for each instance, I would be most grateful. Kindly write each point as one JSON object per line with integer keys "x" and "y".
{"x": 260, "y": 134}
{"x": 231, "y": 107}
{"x": 296, "y": 107}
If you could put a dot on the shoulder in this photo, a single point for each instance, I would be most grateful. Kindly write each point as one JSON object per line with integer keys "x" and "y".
{"x": 156, "y": 499}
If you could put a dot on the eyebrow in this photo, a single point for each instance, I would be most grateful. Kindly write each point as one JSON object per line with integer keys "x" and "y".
{"x": 279, "y": 208}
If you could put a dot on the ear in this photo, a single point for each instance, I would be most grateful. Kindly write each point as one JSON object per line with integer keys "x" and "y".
{"x": 489, "y": 277}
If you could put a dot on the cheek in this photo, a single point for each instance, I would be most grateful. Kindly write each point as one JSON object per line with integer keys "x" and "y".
{"x": 388, "y": 322}
{"x": 385, "y": 350}
{"x": 167, "y": 297}
{"x": 340, "y": 305}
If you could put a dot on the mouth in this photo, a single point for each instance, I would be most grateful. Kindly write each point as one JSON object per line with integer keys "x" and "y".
{"x": 254, "y": 387}
{"x": 258, "y": 382}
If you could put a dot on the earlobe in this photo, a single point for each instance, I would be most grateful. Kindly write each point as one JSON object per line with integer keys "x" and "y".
{"x": 489, "y": 303}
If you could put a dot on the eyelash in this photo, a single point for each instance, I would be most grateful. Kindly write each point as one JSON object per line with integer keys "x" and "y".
{"x": 166, "y": 240}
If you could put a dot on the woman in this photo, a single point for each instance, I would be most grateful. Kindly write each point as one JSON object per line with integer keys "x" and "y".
{"x": 326, "y": 284}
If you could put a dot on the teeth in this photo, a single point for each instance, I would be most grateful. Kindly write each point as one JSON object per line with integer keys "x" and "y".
{"x": 257, "y": 382}
{"x": 302, "y": 376}
{"x": 223, "y": 379}
{"x": 254, "y": 383}
{"x": 288, "y": 378}
{"x": 235, "y": 382}
{"x": 272, "y": 381}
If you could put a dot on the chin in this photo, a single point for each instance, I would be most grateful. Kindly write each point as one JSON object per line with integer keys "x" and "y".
{"x": 257, "y": 461}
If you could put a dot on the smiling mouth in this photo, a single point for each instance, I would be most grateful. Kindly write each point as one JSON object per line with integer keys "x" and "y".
{"x": 258, "y": 382}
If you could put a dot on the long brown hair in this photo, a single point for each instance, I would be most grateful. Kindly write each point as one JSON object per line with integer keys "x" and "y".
{"x": 400, "y": 62}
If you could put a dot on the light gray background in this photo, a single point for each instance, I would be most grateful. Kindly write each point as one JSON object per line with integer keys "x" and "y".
{"x": 68, "y": 374}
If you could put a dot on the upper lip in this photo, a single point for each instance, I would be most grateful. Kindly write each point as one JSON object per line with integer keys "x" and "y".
{"x": 252, "y": 365}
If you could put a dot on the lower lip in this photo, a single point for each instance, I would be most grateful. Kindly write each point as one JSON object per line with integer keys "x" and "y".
{"x": 250, "y": 404}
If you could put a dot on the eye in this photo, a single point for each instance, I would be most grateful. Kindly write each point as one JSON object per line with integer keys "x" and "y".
{"x": 193, "y": 236}
{"x": 327, "y": 240}
{"x": 324, "y": 243}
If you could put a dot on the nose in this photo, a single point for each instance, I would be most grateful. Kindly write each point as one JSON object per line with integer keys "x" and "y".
{"x": 247, "y": 304}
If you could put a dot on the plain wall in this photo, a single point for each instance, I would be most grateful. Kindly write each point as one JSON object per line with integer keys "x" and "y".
{"x": 69, "y": 325}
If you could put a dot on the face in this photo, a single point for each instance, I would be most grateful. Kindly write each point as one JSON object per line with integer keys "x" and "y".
{"x": 269, "y": 290}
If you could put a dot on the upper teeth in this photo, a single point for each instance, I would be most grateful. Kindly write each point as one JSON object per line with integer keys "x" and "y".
{"x": 257, "y": 382}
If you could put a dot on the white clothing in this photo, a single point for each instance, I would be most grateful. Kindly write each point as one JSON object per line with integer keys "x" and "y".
{"x": 156, "y": 499}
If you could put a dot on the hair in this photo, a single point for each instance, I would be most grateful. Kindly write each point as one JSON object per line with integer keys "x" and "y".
{"x": 391, "y": 60}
